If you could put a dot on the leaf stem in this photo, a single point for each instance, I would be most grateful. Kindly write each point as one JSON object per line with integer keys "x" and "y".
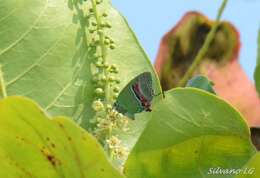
{"x": 202, "y": 52}
{"x": 258, "y": 49}
{"x": 2, "y": 83}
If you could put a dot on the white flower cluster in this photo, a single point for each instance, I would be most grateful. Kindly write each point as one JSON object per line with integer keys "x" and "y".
{"x": 106, "y": 120}
{"x": 117, "y": 148}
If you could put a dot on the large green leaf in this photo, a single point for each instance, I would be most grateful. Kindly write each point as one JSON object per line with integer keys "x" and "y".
{"x": 189, "y": 132}
{"x": 33, "y": 145}
{"x": 252, "y": 168}
{"x": 36, "y": 48}
{"x": 44, "y": 44}
{"x": 257, "y": 70}
{"x": 127, "y": 55}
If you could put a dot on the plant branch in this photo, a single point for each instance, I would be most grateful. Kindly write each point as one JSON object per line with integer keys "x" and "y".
{"x": 202, "y": 52}
{"x": 102, "y": 45}
{"x": 258, "y": 49}
{"x": 2, "y": 83}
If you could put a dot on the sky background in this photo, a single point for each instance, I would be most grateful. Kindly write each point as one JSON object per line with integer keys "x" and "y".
{"x": 151, "y": 19}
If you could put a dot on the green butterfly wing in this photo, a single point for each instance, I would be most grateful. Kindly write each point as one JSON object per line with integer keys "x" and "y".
{"x": 127, "y": 103}
{"x": 146, "y": 83}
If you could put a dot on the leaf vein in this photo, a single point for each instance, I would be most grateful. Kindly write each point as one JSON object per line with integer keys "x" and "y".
{"x": 26, "y": 32}
{"x": 58, "y": 96}
{"x": 8, "y": 15}
{"x": 33, "y": 65}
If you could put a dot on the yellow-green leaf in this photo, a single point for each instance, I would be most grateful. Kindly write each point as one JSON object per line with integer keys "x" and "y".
{"x": 33, "y": 145}
{"x": 252, "y": 168}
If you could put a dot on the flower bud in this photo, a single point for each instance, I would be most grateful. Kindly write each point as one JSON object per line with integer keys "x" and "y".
{"x": 108, "y": 25}
{"x": 94, "y": 23}
{"x": 112, "y": 46}
{"x": 116, "y": 89}
{"x": 109, "y": 107}
{"x": 107, "y": 41}
{"x": 111, "y": 79}
{"x": 103, "y": 24}
{"x": 115, "y": 96}
{"x": 104, "y": 14}
{"x": 117, "y": 81}
{"x": 99, "y": 91}
{"x": 100, "y": 32}
{"x": 99, "y": 64}
{"x": 105, "y": 65}
{"x": 92, "y": 30}
{"x": 103, "y": 78}
{"x": 97, "y": 105}
{"x": 98, "y": 1}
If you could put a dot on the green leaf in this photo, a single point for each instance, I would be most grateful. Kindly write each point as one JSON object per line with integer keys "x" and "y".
{"x": 201, "y": 82}
{"x": 189, "y": 132}
{"x": 257, "y": 70}
{"x": 128, "y": 55}
{"x": 36, "y": 50}
{"x": 46, "y": 57}
{"x": 34, "y": 145}
{"x": 252, "y": 168}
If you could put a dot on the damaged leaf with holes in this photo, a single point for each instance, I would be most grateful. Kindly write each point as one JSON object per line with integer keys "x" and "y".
{"x": 34, "y": 145}
{"x": 220, "y": 64}
{"x": 180, "y": 46}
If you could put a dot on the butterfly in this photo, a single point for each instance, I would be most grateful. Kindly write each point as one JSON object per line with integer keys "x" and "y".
{"x": 137, "y": 96}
